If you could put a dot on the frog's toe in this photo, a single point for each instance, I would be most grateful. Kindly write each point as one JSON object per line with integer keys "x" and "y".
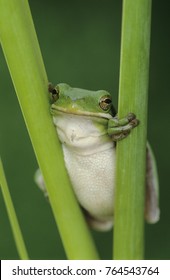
{"x": 100, "y": 225}
{"x": 103, "y": 224}
{"x": 131, "y": 117}
{"x": 134, "y": 122}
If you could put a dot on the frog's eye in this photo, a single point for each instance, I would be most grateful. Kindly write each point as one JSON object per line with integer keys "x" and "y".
{"x": 54, "y": 92}
{"x": 105, "y": 103}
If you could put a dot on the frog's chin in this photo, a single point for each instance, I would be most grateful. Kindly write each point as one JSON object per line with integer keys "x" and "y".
{"x": 56, "y": 109}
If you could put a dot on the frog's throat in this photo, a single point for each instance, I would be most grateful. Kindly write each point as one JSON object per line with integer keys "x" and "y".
{"x": 54, "y": 109}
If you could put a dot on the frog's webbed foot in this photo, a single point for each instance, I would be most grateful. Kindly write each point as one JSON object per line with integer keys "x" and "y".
{"x": 98, "y": 224}
{"x": 120, "y": 128}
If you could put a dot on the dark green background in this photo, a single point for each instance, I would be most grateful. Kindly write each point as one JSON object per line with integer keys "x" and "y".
{"x": 80, "y": 43}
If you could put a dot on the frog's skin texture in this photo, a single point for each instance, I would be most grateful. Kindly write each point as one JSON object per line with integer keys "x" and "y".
{"x": 88, "y": 129}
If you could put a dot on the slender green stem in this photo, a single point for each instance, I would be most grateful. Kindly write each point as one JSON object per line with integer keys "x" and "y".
{"x": 23, "y": 56}
{"x": 131, "y": 152}
{"x": 12, "y": 216}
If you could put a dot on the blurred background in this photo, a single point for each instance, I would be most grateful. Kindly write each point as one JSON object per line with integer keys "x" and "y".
{"x": 80, "y": 44}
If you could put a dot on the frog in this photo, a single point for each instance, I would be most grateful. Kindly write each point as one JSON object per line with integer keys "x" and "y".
{"x": 88, "y": 128}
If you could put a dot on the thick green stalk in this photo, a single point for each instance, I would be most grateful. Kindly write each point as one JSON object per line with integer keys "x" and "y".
{"x": 19, "y": 241}
{"x": 131, "y": 152}
{"x": 23, "y": 56}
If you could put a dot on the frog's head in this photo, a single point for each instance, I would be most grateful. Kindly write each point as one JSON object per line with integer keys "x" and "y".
{"x": 81, "y": 102}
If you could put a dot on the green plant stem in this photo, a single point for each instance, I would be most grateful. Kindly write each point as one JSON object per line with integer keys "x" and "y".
{"x": 19, "y": 241}
{"x": 131, "y": 152}
{"x": 23, "y": 56}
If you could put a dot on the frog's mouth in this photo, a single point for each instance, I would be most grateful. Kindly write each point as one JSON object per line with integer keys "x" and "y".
{"x": 56, "y": 110}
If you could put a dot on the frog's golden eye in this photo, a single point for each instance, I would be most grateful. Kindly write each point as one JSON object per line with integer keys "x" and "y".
{"x": 54, "y": 92}
{"x": 105, "y": 103}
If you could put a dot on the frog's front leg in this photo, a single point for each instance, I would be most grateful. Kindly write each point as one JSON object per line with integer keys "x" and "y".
{"x": 120, "y": 128}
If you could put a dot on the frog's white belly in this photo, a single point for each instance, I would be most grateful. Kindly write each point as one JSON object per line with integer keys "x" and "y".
{"x": 89, "y": 157}
{"x": 92, "y": 177}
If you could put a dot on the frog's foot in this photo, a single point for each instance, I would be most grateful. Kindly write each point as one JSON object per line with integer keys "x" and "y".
{"x": 39, "y": 180}
{"x": 120, "y": 128}
{"x": 100, "y": 225}
{"x": 104, "y": 224}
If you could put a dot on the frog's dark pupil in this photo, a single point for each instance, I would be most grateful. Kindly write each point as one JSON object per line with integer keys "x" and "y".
{"x": 52, "y": 89}
{"x": 54, "y": 92}
{"x": 108, "y": 101}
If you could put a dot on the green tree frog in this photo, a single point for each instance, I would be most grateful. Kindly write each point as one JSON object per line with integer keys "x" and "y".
{"x": 88, "y": 128}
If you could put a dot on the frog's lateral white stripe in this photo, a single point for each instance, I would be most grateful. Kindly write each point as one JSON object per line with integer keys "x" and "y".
{"x": 81, "y": 113}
